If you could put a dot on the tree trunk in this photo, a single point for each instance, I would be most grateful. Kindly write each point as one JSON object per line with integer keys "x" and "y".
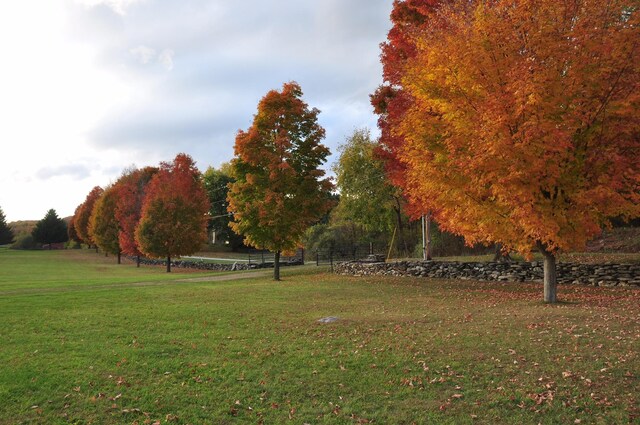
{"x": 168, "y": 263}
{"x": 427, "y": 236}
{"x": 276, "y": 266}
{"x": 402, "y": 243}
{"x": 500, "y": 256}
{"x": 137, "y": 261}
{"x": 119, "y": 256}
{"x": 550, "y": 275}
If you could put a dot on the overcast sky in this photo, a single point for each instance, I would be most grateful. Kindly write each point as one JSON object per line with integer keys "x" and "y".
{"x": 89, "y": 87}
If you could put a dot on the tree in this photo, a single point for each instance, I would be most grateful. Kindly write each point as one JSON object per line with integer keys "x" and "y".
{"x": 6, "y": 234}
{"x": 83, "y": 214}
{"x": 51, "y": 229}
{"x": 279, "y": 190}
{"x": 175, "y": 211}
{"x": 391, "y": 101}
{"x": 366, "y": 195}
{"x": 523, "y": 125}
{"x": 216, "y": 183}
{"x": 104, "y": 228}
{"x": 131, "y": 188}
{"x": 71, "y": 228}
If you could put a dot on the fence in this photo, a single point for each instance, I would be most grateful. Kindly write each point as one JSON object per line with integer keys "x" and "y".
{"x": 257, "y": 256}
{"x": 337, "y": 253}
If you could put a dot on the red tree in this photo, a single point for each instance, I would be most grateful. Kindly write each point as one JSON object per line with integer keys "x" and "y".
{"x": 131, "y": 189}
{"x": 391, "y": 101}
{"x": 175, "y": 211}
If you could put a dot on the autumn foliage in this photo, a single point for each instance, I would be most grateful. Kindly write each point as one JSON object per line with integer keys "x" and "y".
{"x": 103, "y": 225}
{"x": 83, "y": 215}
{"x": 391, "y": 101}
{"x": 517, "y": 122}
{"x": 131, "y": 188}
{"x": 279, "y": 189}
{"x": 174, "y": 214}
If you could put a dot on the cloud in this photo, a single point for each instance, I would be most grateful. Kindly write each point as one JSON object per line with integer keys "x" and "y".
{"x": 118, "y": 6}
{"x": 230, "y": 54}
{"x": 166, "y": 59}
{"x": 73, "y": 171}
{"x": 143, "y": 54}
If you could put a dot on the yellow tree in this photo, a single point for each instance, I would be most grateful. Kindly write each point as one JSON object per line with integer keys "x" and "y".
{"x": 104, "y": 228}
{"x": 83, "y": 215}
{"x": 524, "y": 126}
{"x": 279, "y": 190}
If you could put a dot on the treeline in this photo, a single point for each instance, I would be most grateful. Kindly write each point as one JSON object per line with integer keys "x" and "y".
{"x": 154, "y": 211}
{"x": 270, "y": 193}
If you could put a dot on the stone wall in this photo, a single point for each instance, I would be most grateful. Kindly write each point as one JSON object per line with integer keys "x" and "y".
{"x": 201, "y": 265}
{"x": 586, "y": 274}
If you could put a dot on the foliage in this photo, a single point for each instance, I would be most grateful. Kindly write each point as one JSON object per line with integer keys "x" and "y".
{"x": 131, "y": 188}
{"x": 71, "y": 228}
{"x": 83, "y": 215}
{"x": 522, "y": 124}
{"x": 216, "y": 183}
{"x": 22, "y": 227}
{"x": 24, "y": 241}
{"x": 175, "y": 211}
{"x": 279, "y": 189}
{"x": 323, "y": 237}
{"x": 6, "y": 234}
{"x": 391, "y": 101}
{"x": 104, "y": 228}
{"x": 51, "y": 229}
{"x": 403, "y": 350}
{"x": 366, "y": 196}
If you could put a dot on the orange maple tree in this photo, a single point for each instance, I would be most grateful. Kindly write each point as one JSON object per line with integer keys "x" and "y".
{"x": 83, "y": 215}
{"x": 391, "y": 101}
{"x": 174, "y": 214}
{"x": 279, "y": 189}
{"x": 103, "y": 225}
{"x": 523, "y": 125}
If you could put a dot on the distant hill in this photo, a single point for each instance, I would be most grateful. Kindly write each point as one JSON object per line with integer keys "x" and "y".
{"x": 22, "y": 227}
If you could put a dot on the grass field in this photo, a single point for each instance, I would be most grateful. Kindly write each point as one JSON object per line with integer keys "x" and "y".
{"x": 86, "y": 341}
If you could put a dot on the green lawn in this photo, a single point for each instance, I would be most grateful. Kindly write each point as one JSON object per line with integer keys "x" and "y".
{"x": 86, "y": 341}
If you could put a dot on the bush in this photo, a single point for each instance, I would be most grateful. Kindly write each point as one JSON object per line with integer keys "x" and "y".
{"x": 24, "y": 242}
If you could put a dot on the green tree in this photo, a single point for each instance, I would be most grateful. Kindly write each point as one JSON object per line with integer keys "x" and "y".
{"x": 175, "y": 211}
{"x": 279, "y": 190}
{"x": 6, "y": 234}
{"x": 216, "y": 183}
{"x": 104, "y": 228}
{"x": 367, "y": 197}
{"x": 51, "y": 229}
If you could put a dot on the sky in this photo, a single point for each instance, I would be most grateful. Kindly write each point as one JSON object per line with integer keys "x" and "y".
{"x": 91, "y": 87}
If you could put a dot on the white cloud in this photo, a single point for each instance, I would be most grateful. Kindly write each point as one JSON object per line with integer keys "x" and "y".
{"x": 143, "y": 54}
{"x": 166, "y": 59}
{"x": 118, "y": 6}
{"x": 86, "y": 89}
